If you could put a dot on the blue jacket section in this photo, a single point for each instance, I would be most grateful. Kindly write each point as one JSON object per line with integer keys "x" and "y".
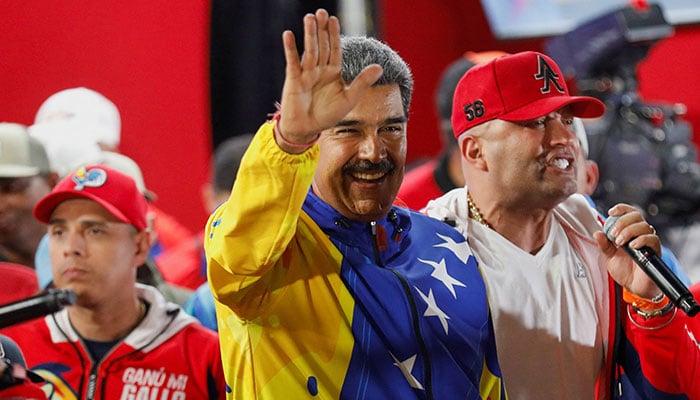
{"x": 420, "y": 299}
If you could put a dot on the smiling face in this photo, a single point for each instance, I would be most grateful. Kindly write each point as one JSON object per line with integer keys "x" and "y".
{"x": 533, "y": 162}
{"x": 361, "y": 162}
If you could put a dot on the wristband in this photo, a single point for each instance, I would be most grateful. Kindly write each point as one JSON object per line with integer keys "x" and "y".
{"x": 278, "y": 136}
{"x": 659, "y": 302}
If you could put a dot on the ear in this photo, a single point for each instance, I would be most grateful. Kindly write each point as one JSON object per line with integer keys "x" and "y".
{"x": 473, "y": 151}
{"x": 144, "y": 241}
{"x": 209, "y": 198}
{"x": 592, "y": 176}
{"x": 53, "y": 179}
{"x": 213, "y": 198}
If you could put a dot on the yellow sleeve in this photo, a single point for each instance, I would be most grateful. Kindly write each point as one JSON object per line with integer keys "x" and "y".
{"x": 248, "y": 234}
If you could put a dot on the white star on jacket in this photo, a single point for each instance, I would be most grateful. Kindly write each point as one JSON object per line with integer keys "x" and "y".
{"x": 440, "y": 273}
{"x": 406, "y": 368}
{"x": 461, "y": 250}
{"x": 433, "y": 310}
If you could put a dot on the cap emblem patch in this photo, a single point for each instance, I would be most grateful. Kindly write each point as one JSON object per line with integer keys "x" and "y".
{"x": 83, "y": 178}
{"x": 546, "y": 72}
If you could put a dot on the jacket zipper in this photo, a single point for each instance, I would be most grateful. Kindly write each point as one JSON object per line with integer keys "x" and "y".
{"x": 92, "y": 383}
{"x": 415, "y": 320}
{"x": 616, "y": 373}
{"x": 375, "y": 246}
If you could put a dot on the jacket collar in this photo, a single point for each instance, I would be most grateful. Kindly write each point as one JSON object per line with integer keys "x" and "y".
{"x": 396, "y": 224}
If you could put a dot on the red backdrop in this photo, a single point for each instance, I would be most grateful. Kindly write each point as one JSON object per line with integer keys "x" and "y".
{"x": 151, "y": 59}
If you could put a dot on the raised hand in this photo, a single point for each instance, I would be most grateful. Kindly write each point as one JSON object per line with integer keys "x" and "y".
{"x": 314, "y": 96}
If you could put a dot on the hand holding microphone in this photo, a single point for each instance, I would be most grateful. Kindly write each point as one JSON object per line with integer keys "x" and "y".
{"x": 657, "y": 270}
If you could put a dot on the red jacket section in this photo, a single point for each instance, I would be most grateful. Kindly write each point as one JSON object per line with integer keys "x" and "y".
{"x": 167, "y": 356}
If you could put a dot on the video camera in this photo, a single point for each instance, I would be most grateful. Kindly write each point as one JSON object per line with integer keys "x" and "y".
{"x": 644, "y": 151}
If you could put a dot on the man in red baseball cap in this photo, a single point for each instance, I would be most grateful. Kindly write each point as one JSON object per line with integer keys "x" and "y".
{"x": 539, "y": 245}
{"x": 118, "y": 331}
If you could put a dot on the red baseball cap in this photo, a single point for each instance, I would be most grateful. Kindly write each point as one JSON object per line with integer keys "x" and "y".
{"x": 517, "y": 87}
{"x": 113, "y": 190}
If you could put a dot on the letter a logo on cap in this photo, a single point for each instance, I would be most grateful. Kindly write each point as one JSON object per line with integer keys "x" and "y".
{"x": 550, "y": 77}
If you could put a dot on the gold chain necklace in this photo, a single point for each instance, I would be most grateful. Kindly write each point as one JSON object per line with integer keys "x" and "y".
{"x": 474, "y": 212}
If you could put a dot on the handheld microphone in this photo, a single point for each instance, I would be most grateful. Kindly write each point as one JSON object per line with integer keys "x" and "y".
{"x": 34, "y": 307}
{"x": 659, "y": 272}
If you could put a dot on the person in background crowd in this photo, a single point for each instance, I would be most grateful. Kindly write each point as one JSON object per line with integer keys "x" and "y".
{"x": 225, "y": 163}
{"x": 25, "y": 177}
{"x": 78, "y": 124}
{"x": 120, "y": 339}
{"x": 185, "y": 264}
{"x": 439, "y": 175}
{"x": 75, "y": 123}
{"x": 322, "y": 287}
{"x": 548, "y": 266}
{"x": 82, "y": 113}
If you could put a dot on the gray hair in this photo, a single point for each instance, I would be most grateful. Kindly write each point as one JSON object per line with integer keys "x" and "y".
{"x": 361, "y": 51}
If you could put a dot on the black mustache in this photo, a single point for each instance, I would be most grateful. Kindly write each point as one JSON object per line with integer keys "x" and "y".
{"x": 368, "y": 166}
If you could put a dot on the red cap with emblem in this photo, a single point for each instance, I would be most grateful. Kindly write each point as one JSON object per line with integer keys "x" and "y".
{"x": 517, "y": 87}
{"x": 113, "y": 190}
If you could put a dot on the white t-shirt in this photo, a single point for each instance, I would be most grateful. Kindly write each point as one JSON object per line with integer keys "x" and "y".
{"x": 549, "y": 320}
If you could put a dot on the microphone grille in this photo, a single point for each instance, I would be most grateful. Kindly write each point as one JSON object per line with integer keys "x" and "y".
{"x": 609, "y": 222}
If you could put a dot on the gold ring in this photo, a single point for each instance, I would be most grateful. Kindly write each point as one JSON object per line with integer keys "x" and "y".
{"x": 653, "y": 231}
